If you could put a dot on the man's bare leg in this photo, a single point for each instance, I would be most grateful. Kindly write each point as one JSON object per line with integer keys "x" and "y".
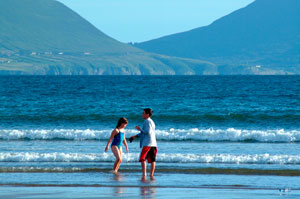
{"x": 144, "y": 168}
{"x": 152, "y": 169}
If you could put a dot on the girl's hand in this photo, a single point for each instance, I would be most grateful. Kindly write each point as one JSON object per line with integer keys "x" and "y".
{"x": 106, "y": 148}
{"x": 138, "y": 128}
{"x": 127, "y": 150}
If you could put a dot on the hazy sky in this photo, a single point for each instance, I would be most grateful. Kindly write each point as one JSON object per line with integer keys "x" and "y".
{"x": 142, "y": 20}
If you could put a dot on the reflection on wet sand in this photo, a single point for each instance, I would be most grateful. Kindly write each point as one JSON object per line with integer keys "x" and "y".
{"x": 119, "y": 190}
{"x": 148, "y": 191}
{"x": 118, "y": 177}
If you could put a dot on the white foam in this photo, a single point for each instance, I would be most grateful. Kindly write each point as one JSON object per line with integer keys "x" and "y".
{"x": 230, "y": 134}
{"x": 161, "y": 157}
{"x": 65, "y": 134}
{"x": 211, "y": 135}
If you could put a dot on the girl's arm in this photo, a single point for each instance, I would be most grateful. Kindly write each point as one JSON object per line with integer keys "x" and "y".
{"x": 113, "y": 134}
{"x": 125, "y": 143}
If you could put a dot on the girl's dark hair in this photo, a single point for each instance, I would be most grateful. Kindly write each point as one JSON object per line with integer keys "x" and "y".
{"x": 121, "y": 121}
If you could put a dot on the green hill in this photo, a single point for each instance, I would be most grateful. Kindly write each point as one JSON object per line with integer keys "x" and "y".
{"x": 47, "y": 25}
{"x": 45, "y": 37}
{"x": 262, "y": 38}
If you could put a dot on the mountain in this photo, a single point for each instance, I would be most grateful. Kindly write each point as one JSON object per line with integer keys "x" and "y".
{"x": 262, "y": 38}
{"x": 45, "y": 37}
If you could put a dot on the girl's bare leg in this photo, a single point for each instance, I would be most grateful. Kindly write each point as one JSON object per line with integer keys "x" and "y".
{"x": 119, "y": 163}
{"x": 118, "y": 156}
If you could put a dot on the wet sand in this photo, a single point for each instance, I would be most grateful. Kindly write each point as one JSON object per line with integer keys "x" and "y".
{"x": 131, "y": 185}
{"x": 91, "y": 192}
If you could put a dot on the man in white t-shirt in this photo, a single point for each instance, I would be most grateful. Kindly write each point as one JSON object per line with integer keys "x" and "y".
{"x": 147, "y": 142}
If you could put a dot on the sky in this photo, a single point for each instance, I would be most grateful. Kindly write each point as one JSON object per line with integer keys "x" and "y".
{"x": 143, "y": 20}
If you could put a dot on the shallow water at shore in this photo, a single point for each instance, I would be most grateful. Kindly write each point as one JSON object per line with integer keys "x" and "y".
{"x": 106, "y": 185}
{"x": 163, "y": 180}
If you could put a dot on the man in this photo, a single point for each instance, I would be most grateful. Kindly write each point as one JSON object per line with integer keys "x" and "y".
{"x": 147, "y": 142}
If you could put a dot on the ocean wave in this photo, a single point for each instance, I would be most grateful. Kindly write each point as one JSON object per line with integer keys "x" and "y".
{"x": 209, "y": 135}
{"x": 230, "y": 134}
{"x": 161, "y": 157}
{"x": 55, "y": 134}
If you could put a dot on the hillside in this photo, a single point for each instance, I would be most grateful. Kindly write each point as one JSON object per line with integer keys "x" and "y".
{"x": 262, "y": 38}
{"x": 47, "y": 25}
{"x": 45, "y": 37}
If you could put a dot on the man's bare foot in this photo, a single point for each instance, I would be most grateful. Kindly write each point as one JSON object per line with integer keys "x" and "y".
{"x": 144, "y": 178}
{"x": 115, "y": 172}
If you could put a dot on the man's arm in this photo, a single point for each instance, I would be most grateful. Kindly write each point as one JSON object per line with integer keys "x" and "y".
{"x": 135, "y": 136}
{"x": 146, "y": 128}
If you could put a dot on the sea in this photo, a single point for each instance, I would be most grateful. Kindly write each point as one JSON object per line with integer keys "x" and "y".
{"x": 214, "y": 134}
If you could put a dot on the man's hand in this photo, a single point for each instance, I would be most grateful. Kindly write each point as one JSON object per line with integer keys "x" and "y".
{"x": 131, "y": 139}
{"x": 138, "y": 128}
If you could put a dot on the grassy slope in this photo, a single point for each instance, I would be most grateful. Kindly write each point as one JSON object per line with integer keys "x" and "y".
{"x": 47, "y": 25}
{"x": 47, "y": 28}
{"x": 132, "y": 64}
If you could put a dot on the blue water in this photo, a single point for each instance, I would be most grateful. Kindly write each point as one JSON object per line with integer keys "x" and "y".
{"x": 255, "y": 102}
{"x": 245, "y": 125}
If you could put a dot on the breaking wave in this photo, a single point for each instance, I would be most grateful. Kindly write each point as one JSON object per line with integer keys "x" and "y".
{"x": 161, "y": 157}
{"x": 209, "y": 135}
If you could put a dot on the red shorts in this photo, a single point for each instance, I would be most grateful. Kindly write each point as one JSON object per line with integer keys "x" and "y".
{"x": 148, "y": 153}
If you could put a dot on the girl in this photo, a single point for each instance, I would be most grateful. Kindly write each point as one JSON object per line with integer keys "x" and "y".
{"x": 118, "y": 136}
